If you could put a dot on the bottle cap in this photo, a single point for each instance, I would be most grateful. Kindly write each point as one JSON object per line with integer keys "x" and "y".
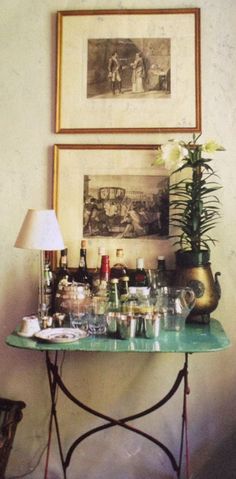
{"x": 161, "y": 258}
{"x": 124, "y": 278}
{"x": 140, "y": 263}
{"x": 114, "y": 280}
{"x": 83, "y": 244}
{"x": 101, "y": 250}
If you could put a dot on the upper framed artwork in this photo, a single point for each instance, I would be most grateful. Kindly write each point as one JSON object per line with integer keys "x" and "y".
{"x": 128, "y": 71}
{"x": 112, "y": 196}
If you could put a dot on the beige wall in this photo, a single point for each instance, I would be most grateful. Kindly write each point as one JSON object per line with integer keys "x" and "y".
{"x": 116, "y": 384}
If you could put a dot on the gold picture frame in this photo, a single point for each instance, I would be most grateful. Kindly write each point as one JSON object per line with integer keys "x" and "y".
{"x": 128, "y": 71}
{"x": 112, "y": 196}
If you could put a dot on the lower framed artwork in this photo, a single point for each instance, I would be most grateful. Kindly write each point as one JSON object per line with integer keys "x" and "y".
{"x": 112, "y": 196}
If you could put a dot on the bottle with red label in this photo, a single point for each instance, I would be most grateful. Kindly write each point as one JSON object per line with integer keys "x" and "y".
{"x": 105, "y": 268}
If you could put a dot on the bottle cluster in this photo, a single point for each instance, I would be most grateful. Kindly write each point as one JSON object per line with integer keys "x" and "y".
{"x": 110, "y": 299}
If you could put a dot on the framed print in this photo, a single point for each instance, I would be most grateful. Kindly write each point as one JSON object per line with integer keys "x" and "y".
{"x": 112, "y": 196}
{"x": 128, "y": 71}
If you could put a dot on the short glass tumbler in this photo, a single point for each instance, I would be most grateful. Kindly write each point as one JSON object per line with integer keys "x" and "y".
{"x": 97, "y": 316}
{"x": 174, "y": 305}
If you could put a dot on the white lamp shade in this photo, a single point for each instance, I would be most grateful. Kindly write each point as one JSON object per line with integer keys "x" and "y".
{"x": 40, "y": 230}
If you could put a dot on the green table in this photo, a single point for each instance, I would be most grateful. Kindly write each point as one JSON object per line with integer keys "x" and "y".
{"x": 194, "y": 338}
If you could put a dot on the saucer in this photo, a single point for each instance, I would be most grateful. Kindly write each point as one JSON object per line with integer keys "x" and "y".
{"x": 60, "y": 335}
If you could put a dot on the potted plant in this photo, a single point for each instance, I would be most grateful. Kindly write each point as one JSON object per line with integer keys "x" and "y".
{"x": 194, "y": 212}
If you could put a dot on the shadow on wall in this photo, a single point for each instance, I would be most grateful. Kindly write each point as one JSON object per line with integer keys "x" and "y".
{"x": 222, "y": 463}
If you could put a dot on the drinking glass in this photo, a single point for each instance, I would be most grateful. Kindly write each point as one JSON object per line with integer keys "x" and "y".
{"x": 97, "y": 316}
{"x": 174, "y": 305}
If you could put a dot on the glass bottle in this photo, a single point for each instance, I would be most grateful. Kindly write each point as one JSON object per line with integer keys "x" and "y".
{"x": 140, "y": 278}
{"x": 63, "y": 270}
{"x": 113, "y": 301}
{"x": 96, "y": 273}
{"x": 105, "y": 268}
{"x": 82, "y": 274}
{"x": 48, "y": 285}
{"x": 161, "y": 273}
{"x": 145, "y": 309}
{"x": 130, "y": 305}
{"x": 61, "y": 274}
{"x": 124, "y": 288}
{"x": 119, "y": 269}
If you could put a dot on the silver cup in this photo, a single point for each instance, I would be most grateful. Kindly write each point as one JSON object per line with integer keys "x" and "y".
{"x": 152, "y": 326}
{"x": 126, "y": 326}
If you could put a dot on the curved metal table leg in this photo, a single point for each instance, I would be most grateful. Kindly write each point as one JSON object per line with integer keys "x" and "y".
{"x": 55, "y": 381}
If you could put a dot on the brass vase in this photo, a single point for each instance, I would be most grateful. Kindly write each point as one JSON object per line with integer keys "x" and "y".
{"x": 194, "y": 270}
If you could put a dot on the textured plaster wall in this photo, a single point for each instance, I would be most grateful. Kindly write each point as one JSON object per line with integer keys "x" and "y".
{"x": 119, "y": 384}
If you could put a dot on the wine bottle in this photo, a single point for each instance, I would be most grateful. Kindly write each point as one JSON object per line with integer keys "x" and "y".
{"x": 161, "y": 273}
{"x": 63, "y": 271}
{"x": 62, "y": 274}
{"x": 105, "y": 268}
{"x": 48, "y": 285}
{"x": 96, "y": 273}
{"x": 82, "y": 274}
{"x": 140, "y": 278}
{"x": 119, "y": 269}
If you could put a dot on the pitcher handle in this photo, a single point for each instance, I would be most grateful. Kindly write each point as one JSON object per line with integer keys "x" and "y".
{"x": 189, "y": 297}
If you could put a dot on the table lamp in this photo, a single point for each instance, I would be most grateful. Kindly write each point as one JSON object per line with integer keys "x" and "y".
{"x": 40, "y": 231}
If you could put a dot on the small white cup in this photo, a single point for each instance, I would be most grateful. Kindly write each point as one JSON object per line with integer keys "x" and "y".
{"x": 29, "y": 326}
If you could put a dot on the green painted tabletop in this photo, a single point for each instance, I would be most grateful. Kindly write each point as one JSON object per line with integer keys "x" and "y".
{"x": 195, "y": 338}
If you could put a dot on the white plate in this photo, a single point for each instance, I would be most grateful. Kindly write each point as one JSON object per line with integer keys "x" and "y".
{"x": 60, "y": 335}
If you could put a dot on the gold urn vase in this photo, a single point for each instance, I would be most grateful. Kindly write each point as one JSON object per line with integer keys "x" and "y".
{"x": 194, "y": 270}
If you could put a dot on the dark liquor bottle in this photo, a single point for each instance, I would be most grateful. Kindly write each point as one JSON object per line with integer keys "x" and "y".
{"x": 62, "y": 274}
{"x": 82, "y": 274}
{"x": 119, "y": 269}
{"x": 48, "y": 285}
{"x": 63, "y": 271}
{"x": 140, "y": 278}
{"x": 161, "y": 273}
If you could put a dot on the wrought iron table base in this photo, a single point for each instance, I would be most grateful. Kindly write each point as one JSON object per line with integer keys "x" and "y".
{"x": 55, "y": 381}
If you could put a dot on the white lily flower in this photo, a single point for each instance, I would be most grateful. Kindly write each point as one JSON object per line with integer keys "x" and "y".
{"x": 211, "y": 146}
{"x": 173, "y": 154}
